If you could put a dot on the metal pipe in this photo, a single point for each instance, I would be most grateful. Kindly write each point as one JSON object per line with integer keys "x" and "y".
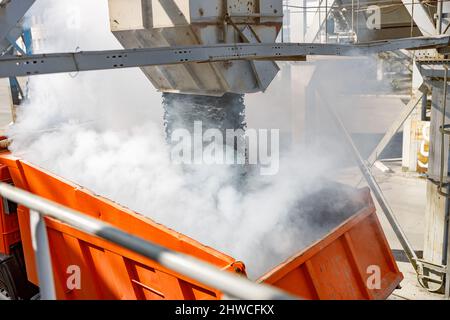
{"x": 229, "y": 284}
{"x": 412, "y": 19}
{"x": 326, "y": 21}
{"x": 41, "y": 248}
{"x": 282, "y": 28}
{"x": 424, "y": 106}
{"x": 439, "y": 17}
{"x": 376, "y": 190}
{"x": 444, "y": 111}
{"x": 446, "y": 240}
{"x": 353, "y": 16}
{"x": 447, "y": 252}
{"x": 446, "y": 248}
{"x": 305, "y": 21}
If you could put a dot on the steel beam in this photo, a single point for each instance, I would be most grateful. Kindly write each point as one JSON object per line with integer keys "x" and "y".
{"x": 11, "y": 12}
{"x": 129, "y": 58}
{"x": 420, "y": 17}
{"x": 396, "y": 125}
{"x": 433, "y": 69}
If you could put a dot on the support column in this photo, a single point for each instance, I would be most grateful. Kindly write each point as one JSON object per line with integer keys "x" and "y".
{"x": 411, "y": 143}
{"x": 435, "y": 241}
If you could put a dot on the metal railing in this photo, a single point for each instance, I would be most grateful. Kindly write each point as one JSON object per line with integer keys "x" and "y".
{"x": 232, "y": 286}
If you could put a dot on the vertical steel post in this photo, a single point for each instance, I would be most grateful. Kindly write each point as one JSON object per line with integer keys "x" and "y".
{"x": 447, "y": 230}
{"x": 353, "y": 16}
{"x": 326, "y": 21}
{"x": 447, "y": 264}
{"x": 42, "y": 254}
{"x": 439, "y": 17}
{"x": 424, "y": 106}
{"x": 305, "y": 20}
{"x": 282, "y": 25}
{"x": 319, "y": 2}
{"x": 447, "y": 273}
{"x": 357, "y": 19}
{"x": 444, "y": 112}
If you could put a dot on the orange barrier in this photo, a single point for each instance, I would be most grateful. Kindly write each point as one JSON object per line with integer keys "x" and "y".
{"x": 333, "y": 268}
{"x": 353, "y": 262}
{"x": 107, "y": 270}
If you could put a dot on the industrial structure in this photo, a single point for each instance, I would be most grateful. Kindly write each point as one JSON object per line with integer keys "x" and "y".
{"x": 204, "y": 56}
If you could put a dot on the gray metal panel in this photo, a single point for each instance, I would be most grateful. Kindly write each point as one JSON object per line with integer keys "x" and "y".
{"x": 197, "y": 22}
{"x": 265, "y": 71}
{"x": 206, "y": 11}
{"x": 432, "y": 69}
{"x": 435, "y": 135}
{"x": 11, "y": 13}
{"x": 436, "y": 203}
{"x": 270, "y": 9}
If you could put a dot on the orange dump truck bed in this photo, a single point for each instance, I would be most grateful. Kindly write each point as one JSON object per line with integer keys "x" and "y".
{"x": 333, "y": 268}
{"x": 353, "y": 261}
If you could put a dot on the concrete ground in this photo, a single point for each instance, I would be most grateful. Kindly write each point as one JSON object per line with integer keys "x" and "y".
{"x": 406, "y": 193}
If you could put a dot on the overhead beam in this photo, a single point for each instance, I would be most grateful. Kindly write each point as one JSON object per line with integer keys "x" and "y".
{"x": 10, "y": 39}
{"x": 433, "y": 69}
{"x": 421, "y": 17}
{"x": 129, "y": 58}
{"x": 11, "y": 12}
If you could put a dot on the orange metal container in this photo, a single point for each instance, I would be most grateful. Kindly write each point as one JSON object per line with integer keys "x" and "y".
{"x": 107, "y": 270}
{"x": 343, "y": 265}
{"x": 333, "y": 268}
{"x": 9, "y": 225}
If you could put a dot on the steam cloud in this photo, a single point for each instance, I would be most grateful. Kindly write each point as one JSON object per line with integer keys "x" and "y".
{"x": 103, "y": 130}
